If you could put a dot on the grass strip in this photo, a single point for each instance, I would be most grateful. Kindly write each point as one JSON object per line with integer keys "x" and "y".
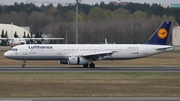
{"x": 25, "y": 85}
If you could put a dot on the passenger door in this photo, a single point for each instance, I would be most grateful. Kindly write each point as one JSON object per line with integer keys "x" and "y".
{"x": 59, "y": 51}
{"x": 25, "y": 51}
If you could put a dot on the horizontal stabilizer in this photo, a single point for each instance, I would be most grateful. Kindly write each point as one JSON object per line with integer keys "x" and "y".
{"x": 165, "y": 48}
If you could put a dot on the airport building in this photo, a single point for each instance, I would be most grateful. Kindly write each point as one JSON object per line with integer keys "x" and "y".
{"x": 176, "y": 36}
{"x": 11, "y": 30}
{"x": 165, "y": 5}
{"x": 175, "y": 5}
{"x": 119, "y": 3}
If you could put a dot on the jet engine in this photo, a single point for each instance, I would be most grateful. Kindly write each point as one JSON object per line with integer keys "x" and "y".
{"x": 74, "y": 61}
{"x": 77, "y": 61}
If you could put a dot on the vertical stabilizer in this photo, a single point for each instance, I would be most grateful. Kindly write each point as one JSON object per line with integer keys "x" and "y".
{"x": 160, "y": 35}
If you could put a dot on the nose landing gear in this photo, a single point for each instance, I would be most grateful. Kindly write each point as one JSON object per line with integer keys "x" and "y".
{"x": 24, "y": 64}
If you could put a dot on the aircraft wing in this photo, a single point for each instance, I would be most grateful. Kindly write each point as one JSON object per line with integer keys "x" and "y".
{"x": 97, "y": 55}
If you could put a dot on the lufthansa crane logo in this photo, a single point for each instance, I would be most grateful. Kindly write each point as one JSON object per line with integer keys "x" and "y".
{"x": 162, "y": 33}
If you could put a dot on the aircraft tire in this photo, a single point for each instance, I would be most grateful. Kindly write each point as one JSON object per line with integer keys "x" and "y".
{"x": 92, "y": 65}
{"x": 23, "y": 66}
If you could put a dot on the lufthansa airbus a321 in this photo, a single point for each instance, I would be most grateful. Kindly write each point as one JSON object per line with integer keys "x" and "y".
{"x": 85, "y": 54}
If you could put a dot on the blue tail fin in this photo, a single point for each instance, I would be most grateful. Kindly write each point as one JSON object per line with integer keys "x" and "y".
{"x": 160, "y": 35}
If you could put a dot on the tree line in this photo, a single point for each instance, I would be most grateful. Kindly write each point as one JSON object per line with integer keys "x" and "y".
{"x": 133, "y": 23}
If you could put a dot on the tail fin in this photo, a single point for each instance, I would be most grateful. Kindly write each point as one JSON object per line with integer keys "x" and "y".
{"x": 160, "y": 35}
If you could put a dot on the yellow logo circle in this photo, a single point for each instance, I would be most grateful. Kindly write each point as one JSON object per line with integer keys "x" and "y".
{"x": 162, "y": 33}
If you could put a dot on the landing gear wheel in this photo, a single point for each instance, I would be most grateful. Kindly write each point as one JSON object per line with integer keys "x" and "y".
{"x": 92, "y": 65}
{"x": 86, "y": 65}
{"x": 24, "y": 65}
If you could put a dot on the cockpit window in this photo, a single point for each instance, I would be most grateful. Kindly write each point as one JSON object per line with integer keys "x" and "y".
{"x": 13, "y": 49}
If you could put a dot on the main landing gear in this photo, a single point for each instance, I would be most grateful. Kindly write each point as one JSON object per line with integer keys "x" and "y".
{"x": 24, "y": 64}
{"x": 91, "y": 65}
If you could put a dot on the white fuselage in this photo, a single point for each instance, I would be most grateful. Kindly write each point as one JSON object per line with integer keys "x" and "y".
{"x": 62, "y": 52}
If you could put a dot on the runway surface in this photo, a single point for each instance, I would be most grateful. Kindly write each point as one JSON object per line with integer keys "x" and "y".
{"x": 92, "y": 99}
{"x": 97, "y": 69}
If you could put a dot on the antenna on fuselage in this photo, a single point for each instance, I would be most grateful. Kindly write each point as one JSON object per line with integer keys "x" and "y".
{"x": 106, "y": 41}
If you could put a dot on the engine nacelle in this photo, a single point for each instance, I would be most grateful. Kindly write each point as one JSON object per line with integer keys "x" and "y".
{"x": 77, "y": 61}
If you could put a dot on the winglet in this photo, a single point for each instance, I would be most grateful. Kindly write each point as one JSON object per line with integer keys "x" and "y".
{"x": 160, "y": 35}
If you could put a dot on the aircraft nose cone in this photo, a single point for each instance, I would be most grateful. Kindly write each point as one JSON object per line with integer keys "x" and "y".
{"x": 6, "y": 54}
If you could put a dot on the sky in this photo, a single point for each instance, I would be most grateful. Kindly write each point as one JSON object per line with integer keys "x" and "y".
{"x": 11, "y": 2}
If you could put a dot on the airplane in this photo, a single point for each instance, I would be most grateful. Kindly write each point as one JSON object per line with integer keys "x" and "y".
{"x": 85, "y": 54}
{"x": 20, "y": 41}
